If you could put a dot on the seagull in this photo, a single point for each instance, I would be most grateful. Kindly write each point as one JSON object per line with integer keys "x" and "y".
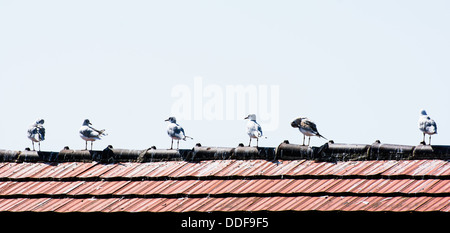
{"x": 253, "y": 129}
{"x": 36, "y": 132}
{"x": 427, "y": 125}
{"x": 307, "y": 127}
{"x": 88, "y": 133}
{"x": 175, "y": 131}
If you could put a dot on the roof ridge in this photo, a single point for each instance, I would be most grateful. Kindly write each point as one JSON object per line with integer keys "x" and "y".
{"x": 330, "y": 152}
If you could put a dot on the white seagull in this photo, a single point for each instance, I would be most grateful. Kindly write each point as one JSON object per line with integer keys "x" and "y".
{"x": 307, "y": 127}
{"x": 175, "y": 131}
{"x": 427, "y": 125}
{"x": 36, "y": 132}
{"x": 253, "y": 129}
{"x": 88, "y": 133}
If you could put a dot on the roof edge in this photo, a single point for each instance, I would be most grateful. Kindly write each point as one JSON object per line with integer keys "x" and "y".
{"x": 330, "y": 152}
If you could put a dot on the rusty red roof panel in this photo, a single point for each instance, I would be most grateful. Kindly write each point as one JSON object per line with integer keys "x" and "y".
{"x": 438, "y": 203}
{"x": 50, "y": 204}
{"x": 122, "y": 205}
{"x": 224, "y": 168}
{"x": 282, "y": 167}
{"x": 10, "y": 169}
{"x": 215, "y": 187}
{"x": 96, "y": 171}
{"x": 300, "y": 203}
{"x": 226, "y": 185}
{"x": 97, "y": 188}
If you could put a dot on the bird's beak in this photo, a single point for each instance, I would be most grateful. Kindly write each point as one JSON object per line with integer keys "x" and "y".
{"x": 294, "y": 124}
{"x": 90, "y": 123}
{"x": 166, "y": 120}
{"x": 246, "y": 117}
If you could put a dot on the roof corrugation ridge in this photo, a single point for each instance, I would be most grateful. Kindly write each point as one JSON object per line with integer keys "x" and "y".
{"x": 331, "y": 152}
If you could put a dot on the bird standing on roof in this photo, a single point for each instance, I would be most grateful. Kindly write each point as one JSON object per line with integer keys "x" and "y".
{"x": 427, "y": 126}
{"x": 88, "y": 133}
{"x": 36, "y": 133}
{"x": 253, "y": 129}
{"x": 175, "y": 131}
{"x": 307, "y": 127}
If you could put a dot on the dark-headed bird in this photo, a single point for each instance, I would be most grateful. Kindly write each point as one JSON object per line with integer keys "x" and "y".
{"x": 175, "y": 131}
{"x": 427, "y": 126}
{"x": 89, "y": 133}
{"x": 307, "y": 127}
{"x": 253, "y": 129}
{"x": 36, "y": 132}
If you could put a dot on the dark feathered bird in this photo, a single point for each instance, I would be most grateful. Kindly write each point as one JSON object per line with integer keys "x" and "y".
{"x": 36, "y": 132}
{"x": 89, "y": 133}
{"x": 175, "y": 131}
{"x": 307, "y": 127}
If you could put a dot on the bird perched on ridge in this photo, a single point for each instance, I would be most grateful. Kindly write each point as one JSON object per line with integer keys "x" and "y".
{"x": 253, "y": 129}
{"x": 36, "y": 132}
{"x": 307, "y": 127}
{"x": 175, "y": 131}
{"x": 88, "y": 133}
{"x": 427, "y": 125}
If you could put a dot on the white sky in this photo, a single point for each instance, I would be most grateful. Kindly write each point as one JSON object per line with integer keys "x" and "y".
{"x": 362, "y": 70}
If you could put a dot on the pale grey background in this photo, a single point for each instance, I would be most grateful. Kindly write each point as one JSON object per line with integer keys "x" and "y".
{"x": 362, "y": 70}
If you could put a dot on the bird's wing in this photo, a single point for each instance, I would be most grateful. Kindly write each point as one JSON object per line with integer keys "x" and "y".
{"x": 89, "y": 132}
{"x": 430, "y": 126}
{"x": 31, "y": 131}
{"x": 176, "y": 130}
{"x": 182, "y": 134}
{"x": 308, "y": 125}
{"x": 259, "y": 130}
{"x": 254, "y": 129}
{"x": 427, "y": 125}
{"x": 99, "y": 132}
{"x": 423, "y": 123}
{"x": 41, "y": 132}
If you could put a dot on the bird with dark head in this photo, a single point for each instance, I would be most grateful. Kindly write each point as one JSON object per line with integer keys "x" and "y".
{"x": 89, "y": 133}
{"x": 307, "y": 128}
{"x": 175, "y": 131}
{"x": 253, "y": 129}
{"x": 36, "y": 132}
{"x": 427, "y": 126}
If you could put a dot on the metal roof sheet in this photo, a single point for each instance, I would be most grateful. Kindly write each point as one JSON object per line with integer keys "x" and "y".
{"x": 243, "y": 168}
{"x": 220, "y": 187}
{"x": 226, "y": 185}
{"x": 299, "y": 203}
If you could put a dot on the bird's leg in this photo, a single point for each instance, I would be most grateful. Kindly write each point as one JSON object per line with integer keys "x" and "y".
{"x": 429, "y": 141}
{"x": 250, "y": 142}
{"x": 309, "y": 140}
{"x": 178, "y": 144}
{"x": 424, "y": 139}
{"x": 86, "y": 146}
{"x": 303, "y": 139}
{"x": 32, "y": 144}
{"x": 171, "y": 145}
{"x": 257, "y": 140}
{"x": 39, "y": 144}
{"x": 92, "y": 142}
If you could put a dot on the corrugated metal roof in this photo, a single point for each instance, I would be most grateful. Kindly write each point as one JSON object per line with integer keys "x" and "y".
{"x": 228, "y": 168}
{"x": 222, "y": 187}
{"x": 226, "y": 185}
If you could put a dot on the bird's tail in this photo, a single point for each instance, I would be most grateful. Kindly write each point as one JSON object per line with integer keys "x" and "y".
{"x": 320, "y": 136}
{"x": 102, "y": 132}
